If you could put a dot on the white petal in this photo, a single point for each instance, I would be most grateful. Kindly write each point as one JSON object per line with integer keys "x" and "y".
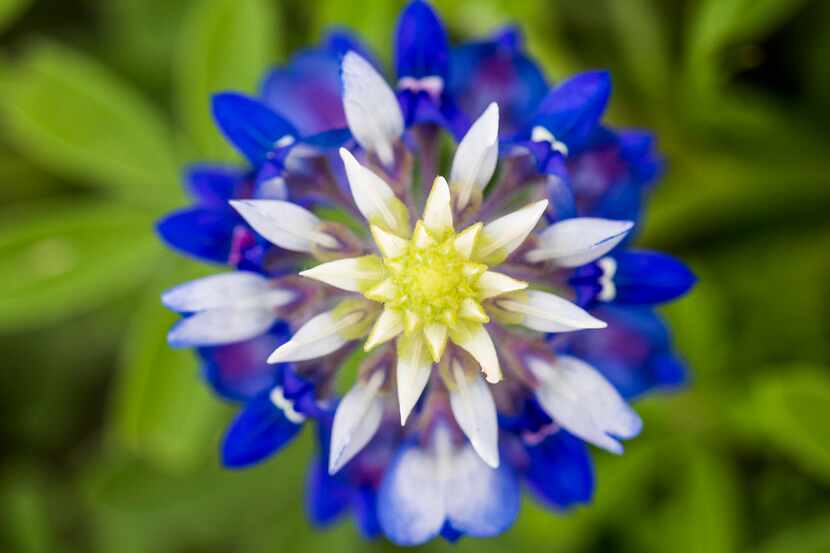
{"x": 548, "y": 313}
{"x": 320, "y": 336}
{"x": 355, "y": 422}
{"x": 492, "y": 284}
{"x": 575, "y": 242}
{"x": 374, "y": 198}
{"x": 476, "y": 156}
{"x": 411, "y": 505}
{"x": 436, "y": 337}
{"x": 499, "y": 238}
{"x": 224, "y": 325}
{"x": 475, "y": 412}
{"x": 414, "y": 367}
{"x": 467, "y": 239}
{"x": 480, "y": 501}
{"x": 390, "y": 245}
{"x": 580, "y": 400}
{"x": 372, "y": 109}
{"x": 236, "y": 289}
{"x": 388, "y": 325}
{"x": 438, "y": 208}
{"x": 473, "y": 338}
{"x": 285, "y": 224}
{"x": 354, "y": 274}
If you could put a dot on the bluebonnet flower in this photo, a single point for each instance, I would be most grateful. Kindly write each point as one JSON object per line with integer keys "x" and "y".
{"x": 498, "y": 318}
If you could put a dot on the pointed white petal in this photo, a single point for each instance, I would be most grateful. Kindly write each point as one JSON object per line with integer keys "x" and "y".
{"x": 475, "y": 412}
{"x": 388, "y": 325}
{"x": 575, "y": 242}
{"x": 224, "y": 325}
{"x": 374, "y": 198}
{"x": 471, "y": 310}
{"x": 390, "y": 245}
{"x": 355, "y": 274}
{"x": 371, "y": 107}
{"x": 383, "y": 292}
{"x": 438, "y": 209}
{"x": 476, "y": 156}
{"x": 548, "y": 313}
{"x": 499, "y": 238}
{"x": 236, "y": 289}
{"x": 285, "y": 224}
{"x": 320, "y": 336}
{"x": 414, "y": 367}
{"x": 421, "y": 237}
{"x": 580, "y": 400}
{"x": 436, "y": 337}
{"x": 473, "y": 338}
{"x": 492, "y": 284}
{"x": 356, "y": 420}
{"x": 466, "y": 240}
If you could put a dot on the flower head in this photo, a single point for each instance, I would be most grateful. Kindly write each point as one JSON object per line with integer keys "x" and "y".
{"x": 474, "y": 298}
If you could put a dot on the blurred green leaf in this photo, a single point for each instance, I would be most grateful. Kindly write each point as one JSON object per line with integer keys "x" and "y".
{"x": 226, "y": 44}
{"x": 789, "y": 409}
{"x": 161, "y": 408}
{"x": 24, "y": 510}
{"x": 702, "y": 514}
{"x": 809, "y": 537}
{"x": 58, "y": 259}
{"x": 373, "y": 20}
{"x": 644, "y": 46}
{"x": 77, "y": 118}
{"x": 10, "y": 10}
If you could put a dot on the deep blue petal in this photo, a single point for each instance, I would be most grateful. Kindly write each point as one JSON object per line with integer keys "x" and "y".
{"x": 634, "y": 352}
{"x": 650, "y": 277}
{"x": 451, "y": 534}
{"x": 341, "y": 41}
{"x": 213, "y": 185}
{"x": 206, "y": 234}
{"x": 560, "y": 472}
{"x": 571, "y": 111}
{"x": 307, "y": 92}
{"x": 365, "y": 503}
{"x": 239, "y": 372}
{"x": 251, "y": 126}
{"x": 421, "y": 47}
{"x": 260, "y": 430}
{"x": 496, "y": 70}
{"x": 327, "y": 497}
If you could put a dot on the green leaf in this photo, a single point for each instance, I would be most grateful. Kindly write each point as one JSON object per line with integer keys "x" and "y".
{"x": 60, "y": 259}
{"x": 788, "y": 409}
{"x": 644, "y": 46}
{"x": 78, "y": 119}
{"x": 226, "y": 44}
{"x": 10, "y": 10}
{"x": 162, "y": 410}
{"x": 809, "y": 537}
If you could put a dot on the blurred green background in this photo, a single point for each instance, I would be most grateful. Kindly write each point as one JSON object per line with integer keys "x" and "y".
{"x": 109, "y": 439}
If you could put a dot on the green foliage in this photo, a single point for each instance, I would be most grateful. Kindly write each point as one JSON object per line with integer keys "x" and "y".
{"x": 225, "y": 45}
{"x": 111, "y": 438}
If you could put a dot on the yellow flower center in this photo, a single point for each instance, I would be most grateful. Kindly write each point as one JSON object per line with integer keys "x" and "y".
{"x": 432, "y": 282}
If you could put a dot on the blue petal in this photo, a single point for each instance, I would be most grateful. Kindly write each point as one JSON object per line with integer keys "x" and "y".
{"x": 239, "y": 372}
{"x": 258, "y": 432}
{"x": 560, "y": 472}
{"x": 421, "y": 48}
{"x": 203, "y": 233}
{"x": 481, "y": 501}
{"x": 307, "y": 92}
{"x": 341, "y": 41}
{"x": 650, "y": 277}
{"x": 251, "y": 126}
{"x": 366, "y": 511}
{"x": 572, "y": 110}
{"x": 634, "y": 352}
{"x": 327, "y": 497}
{"x": 213, "y": 185}
{"x": 611, "y": 176}
{"x": 496, "y": 70}
{"x": 410, "y": 505}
